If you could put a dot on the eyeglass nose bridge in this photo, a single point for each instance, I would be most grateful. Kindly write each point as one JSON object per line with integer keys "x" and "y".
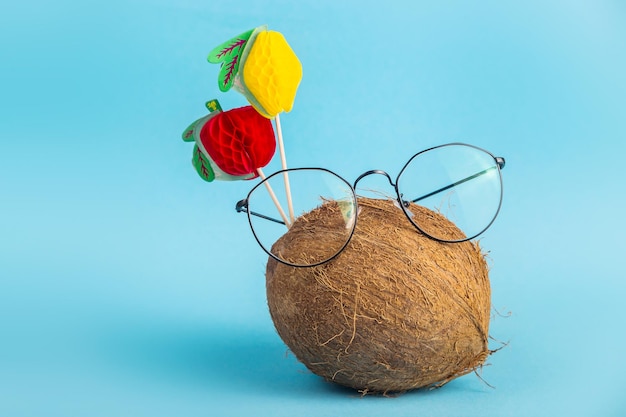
{"x": 373, "y": 172}
{"x": 386, "y": 175}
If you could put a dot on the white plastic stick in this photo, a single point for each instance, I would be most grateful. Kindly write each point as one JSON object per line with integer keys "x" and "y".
{"x": 274, "y": 199}
{"x": 283, "y": 160}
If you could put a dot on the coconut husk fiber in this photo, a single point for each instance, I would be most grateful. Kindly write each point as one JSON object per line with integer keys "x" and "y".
{"x": 395, "y": 311}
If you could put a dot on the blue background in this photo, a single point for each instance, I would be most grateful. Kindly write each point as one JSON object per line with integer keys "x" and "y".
{"x": 128, "y": 286}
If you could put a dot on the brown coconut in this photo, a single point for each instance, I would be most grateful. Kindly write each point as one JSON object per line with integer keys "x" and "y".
{"x": 394, "y": 311}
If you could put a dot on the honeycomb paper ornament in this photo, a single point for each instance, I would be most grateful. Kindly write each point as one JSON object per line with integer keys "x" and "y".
{"x": 239, "y": 140}
{"x": 271, "y": 74}
{"x": 262, "y": 66}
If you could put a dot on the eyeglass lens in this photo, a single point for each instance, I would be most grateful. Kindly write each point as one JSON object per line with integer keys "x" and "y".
{"x": 315, "y": 194}
{"x": 457, "y": 182}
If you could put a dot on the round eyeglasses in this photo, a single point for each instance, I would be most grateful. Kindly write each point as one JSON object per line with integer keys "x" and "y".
{"x": 461, "y": 182}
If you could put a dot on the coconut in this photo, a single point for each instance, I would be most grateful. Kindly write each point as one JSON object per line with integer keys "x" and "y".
{"x": 395, "y": 311}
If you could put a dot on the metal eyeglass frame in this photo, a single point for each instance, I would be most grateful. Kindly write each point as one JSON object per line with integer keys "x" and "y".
{"x": 242, "y": 205}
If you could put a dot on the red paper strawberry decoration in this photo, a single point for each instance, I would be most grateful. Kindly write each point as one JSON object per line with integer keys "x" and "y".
{"x": 239, "y": 141}
{"x": 231, "y": 145}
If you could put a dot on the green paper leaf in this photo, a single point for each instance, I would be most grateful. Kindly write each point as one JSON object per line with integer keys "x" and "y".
{"x": 202, "y": 165}
{"x": 229, "y": 55}
{"x": 213, "y": 105}
{"x": 188, "y": 133}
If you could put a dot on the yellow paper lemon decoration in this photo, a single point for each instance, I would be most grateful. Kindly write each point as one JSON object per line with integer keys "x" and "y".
{"x": 271, "y": 74}
{"x": 261, "y": 65}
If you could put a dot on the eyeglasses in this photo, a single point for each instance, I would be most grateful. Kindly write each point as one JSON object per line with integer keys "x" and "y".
{"x": 461, "y": 182}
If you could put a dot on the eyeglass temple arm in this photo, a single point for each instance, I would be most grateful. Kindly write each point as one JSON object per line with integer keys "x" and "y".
{"x": 499, "y": 160}
{"x": 242, "y": 207}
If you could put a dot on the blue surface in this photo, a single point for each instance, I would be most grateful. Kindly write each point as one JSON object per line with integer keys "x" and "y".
{"x": 128, "y": 286}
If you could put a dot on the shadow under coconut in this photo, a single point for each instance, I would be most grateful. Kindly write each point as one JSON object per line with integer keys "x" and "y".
{"x": 219, "y": 358}
{"x": 211, "y": 357}
{"x": 464, "y": 386}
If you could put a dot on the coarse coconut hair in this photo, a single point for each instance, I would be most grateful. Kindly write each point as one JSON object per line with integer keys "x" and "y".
{"x": 395, "y": 311}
